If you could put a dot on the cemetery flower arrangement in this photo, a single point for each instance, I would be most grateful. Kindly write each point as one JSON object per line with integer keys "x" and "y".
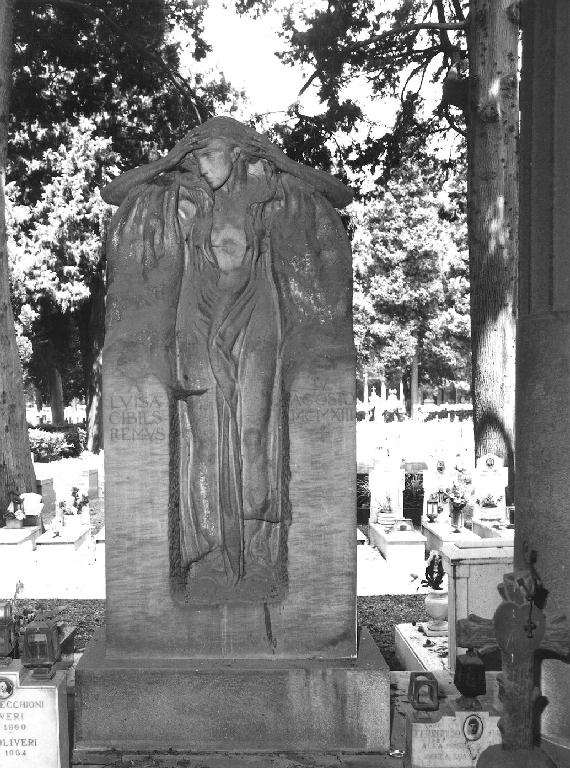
{"x": 434, "y": 571}
{"x": 457, "y": 498}
{"x": 76, "y": 504}
{"x": 15, "y": 510}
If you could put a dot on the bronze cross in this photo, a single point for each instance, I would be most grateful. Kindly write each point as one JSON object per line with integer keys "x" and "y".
{"x": 519, "y": 629}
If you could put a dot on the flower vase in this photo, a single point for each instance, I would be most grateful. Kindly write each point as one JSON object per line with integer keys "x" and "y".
{"x": 12, "y": 522}
{"x": 436, "y": 609}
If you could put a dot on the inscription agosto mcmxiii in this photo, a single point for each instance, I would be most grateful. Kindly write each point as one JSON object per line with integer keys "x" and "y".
{"x": 322, "y": 407}
{"x": 134, "y": 417}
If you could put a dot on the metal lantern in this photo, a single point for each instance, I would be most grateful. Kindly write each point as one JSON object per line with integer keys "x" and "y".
{"x": 457, "y": 517}
{"x": 469, "y": 678}
{"x": 432, "y": 507}
{"x": 7, "y": 629}
{"x": 41, "y": 645}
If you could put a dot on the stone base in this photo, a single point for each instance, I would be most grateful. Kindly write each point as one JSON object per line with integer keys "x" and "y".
{"x": 436, "y": 629}
{"x": 243, "y": 706}
{"x": 403, "y": 550}
{"x": 413, "y": 653}
{"x": 113, "y": 759}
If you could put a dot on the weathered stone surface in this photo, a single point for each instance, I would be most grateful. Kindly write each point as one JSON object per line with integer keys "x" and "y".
{"x": 229, "y": 403}
{"x": 241, "y": 705}
{"x": 230, "y": 469}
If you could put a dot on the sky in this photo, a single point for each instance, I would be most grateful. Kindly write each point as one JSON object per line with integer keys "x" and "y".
{"x": 244, "y": 50}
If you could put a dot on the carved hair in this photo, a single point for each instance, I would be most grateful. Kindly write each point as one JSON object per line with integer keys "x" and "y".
{"x": 257, "y": 145}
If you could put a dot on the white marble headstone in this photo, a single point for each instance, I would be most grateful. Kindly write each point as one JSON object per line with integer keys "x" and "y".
{"x": 33, "y": 720}
{"x": 490, "y": 480}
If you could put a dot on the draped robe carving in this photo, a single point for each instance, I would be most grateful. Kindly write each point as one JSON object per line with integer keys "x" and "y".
{"x": 225, "y": 355}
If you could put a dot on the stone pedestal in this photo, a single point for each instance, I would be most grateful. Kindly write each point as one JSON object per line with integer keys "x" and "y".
{"x": 237, "y": 706}
{"x": 473, "y": 576}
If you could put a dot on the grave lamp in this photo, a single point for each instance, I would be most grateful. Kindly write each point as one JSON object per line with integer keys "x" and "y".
{"x": 432, "y": 507}
{"x": 469, "y": 679}
{"x": 41, "y": 646}
{"x": 7, "y": 630}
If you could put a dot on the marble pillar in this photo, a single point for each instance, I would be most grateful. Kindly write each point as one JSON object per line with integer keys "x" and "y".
{"x": 543, "y": 345}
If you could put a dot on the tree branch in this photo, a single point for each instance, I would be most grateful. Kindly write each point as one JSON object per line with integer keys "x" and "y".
{"x": 179, "y": 82}
{"x": 443, "y": 36}
{"x": 458, "y": 9}
{"x": 451, "y": 26}
{"x": 452, "y": 122}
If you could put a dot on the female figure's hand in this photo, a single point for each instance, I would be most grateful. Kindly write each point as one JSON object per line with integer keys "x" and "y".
{"x": 116, "y": 191}
{"x": 190, "y": 143}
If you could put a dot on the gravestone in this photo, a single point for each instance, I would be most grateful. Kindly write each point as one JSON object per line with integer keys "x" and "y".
{"x": 386, "y": 482}
{"x": 46, "y": 490}
{"x": 439, "y": 482}
{"x": 452, "y": 738}
{"x": 90, "y": 483}
{"x": 474, "y": 571}
{"x": 490, "y": 480}
{"x": 520, "y": 628}
{"x": 230, "y": 467}
{"x": 33, "y": 719}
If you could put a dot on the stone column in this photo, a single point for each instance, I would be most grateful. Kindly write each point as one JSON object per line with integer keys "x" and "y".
{"x": 542, "y": 491}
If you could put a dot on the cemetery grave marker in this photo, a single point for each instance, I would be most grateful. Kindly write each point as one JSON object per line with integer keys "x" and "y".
{"x": 520, "y": 628}
{"x": 33, "y": 719}
{"x": 230, "y": 464}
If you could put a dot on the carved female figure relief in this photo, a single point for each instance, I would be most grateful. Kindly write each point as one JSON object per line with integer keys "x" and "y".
{"x": 246, "y": 263}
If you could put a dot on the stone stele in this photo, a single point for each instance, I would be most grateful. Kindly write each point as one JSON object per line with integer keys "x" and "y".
{"x": 230, "y": 469}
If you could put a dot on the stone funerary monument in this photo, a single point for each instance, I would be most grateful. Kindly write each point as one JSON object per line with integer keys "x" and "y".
{"x": 229, "y": 402}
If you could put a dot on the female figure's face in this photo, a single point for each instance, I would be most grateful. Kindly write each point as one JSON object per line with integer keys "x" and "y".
{"x": 216, "y": 161}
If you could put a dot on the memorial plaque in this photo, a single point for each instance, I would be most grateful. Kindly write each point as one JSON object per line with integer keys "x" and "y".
{"x": 33, "y": 720}
{"x": 450, "y": 741}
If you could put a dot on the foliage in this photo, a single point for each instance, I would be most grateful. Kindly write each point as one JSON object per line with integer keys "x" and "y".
{"x": 54, "y": 442}
{"x": 411, "y": 278}
{"x": 94, "y": 91}
{"x": 55, "y": 246}
{"x": 76, "y": 504}
{"x": 15, "y": 510}
{"x": 388, "y": 47}
{"x": 434, "y": 571}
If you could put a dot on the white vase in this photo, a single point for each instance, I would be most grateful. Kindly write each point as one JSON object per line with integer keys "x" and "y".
{"x": 436, "y": 609}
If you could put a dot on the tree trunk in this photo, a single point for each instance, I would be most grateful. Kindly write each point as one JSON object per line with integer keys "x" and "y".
{"x": 46, "y": 355}
{"x": 16, "y": 468}
{"x": 55, "y": 392}
{"x": 414, "y": 387}
{"x": 493, "y": 222}
{"x": 92, "y": 335}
